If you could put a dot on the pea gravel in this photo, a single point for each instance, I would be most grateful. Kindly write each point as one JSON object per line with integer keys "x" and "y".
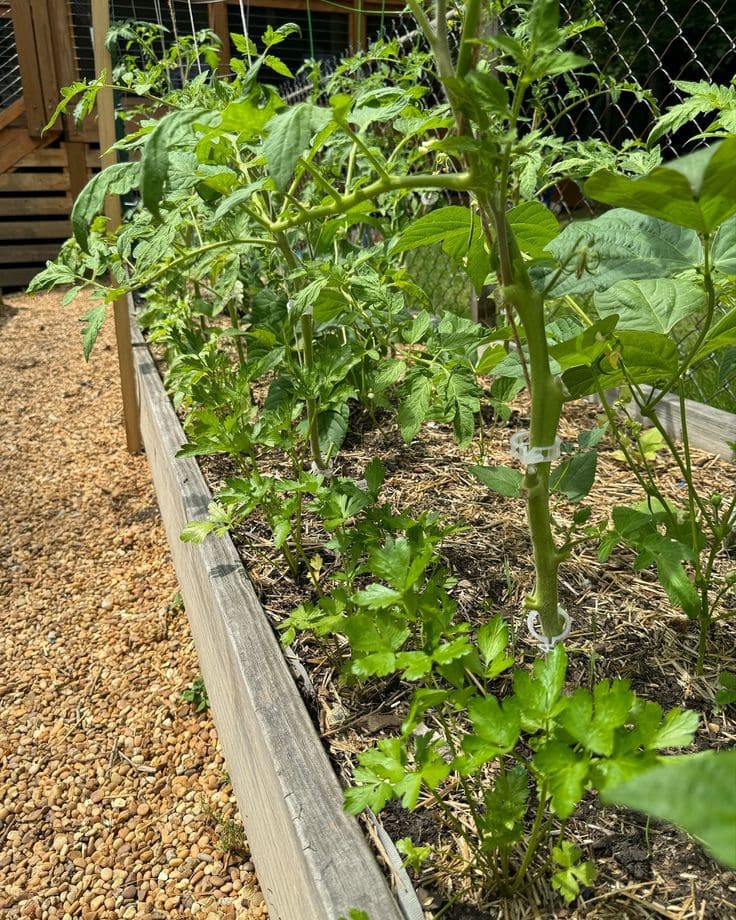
{"x": 114, "y": 798}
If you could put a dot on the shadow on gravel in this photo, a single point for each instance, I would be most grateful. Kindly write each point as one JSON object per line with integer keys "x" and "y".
{"x": 6, "y": 311}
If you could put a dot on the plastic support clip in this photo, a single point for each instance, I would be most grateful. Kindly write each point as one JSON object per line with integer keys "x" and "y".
{"x": 529, "y": 456}
{"x": 547, "y": 643}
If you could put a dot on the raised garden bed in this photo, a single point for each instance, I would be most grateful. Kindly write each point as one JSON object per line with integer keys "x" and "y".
{"x": 306, "y": 850}
{"x": 313, "y": 863}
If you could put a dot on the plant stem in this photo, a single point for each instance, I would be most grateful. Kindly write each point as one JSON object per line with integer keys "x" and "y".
{"x": 312, "y": 410}
{"x": 535, "y": 837}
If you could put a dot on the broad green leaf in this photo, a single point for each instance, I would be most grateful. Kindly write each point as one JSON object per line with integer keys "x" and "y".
{"x": 540, "y": 693}
{"x": 289, "y": 136}
{"x": 574, "y": 875}
{"x": 376, "y": 596}
{"x": 247, "y": 119}
{"x": 196, "y": 531}
{"x": 664, "y": 193}
{"x": 460, "y": 232}
{"x": 461, "y": 392}
{"x": 534, "y": 226}
{"x": 374, "y": 664}
{"x": 117, "y": 179}
{"x": 717, "y": 196}
{"x": 722, "y": 335}
{"x": 170, "y": 132}
{"x": 677, "y": 729}
{"x": 544, "y": 21}
{"x": 502, "y": 479}
{"x": 498, "y": 725}
{"x": 651, "y": 305}
{"x": 493, "y": 638}
{"x": 586, "y": 347}
{"x": 93, "y": 320}
{"x": 575, "y": 476}
{"x": 277, "y": 65}
{"x": 698, "y": 191}
{"x": 332, "y": 426}
{"x": 592, "y": 719}
{"x": 566, "y": 773}
{"x": 239, "y": 197}
{"x": 619, "y": 245}
{"x": 413, "y": 407}
{"x": 696, "y": 792}
{"x": 392, "y": 562}
{"x": 649, "y": 358}
{"x": 723, "y": 253}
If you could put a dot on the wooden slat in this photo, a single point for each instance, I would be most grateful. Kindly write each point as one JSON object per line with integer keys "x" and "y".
{"x": 12, "y": 112}
{"x": 30, "y": 252}
{"x": 78, "y": 171}
{"x": 311, "y": 859}
{"x": 34, "y": 182}
{"x": 46, "y": 42}
{"x": 45, "y": 159}
{"x": 35, "y": 229}
{"x": 708, "y": 428}
{"x": 28, "y": 63}
{"x": 28, "y": 206}
{"x": 16, "y": 277}
{"x": 55, "y": 157}
{"x": 15, "y": 143}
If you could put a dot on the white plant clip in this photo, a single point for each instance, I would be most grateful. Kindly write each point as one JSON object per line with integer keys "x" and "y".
{"x": 529, "y": 456}
{"x": 547, "y": 643}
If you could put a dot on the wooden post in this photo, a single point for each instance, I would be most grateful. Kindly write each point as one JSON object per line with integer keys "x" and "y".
{"x": 76, "y": 162}
{"x": 113, "y": 210}
{"x": 218, "y": 22}
{"x": 35, "y": 82}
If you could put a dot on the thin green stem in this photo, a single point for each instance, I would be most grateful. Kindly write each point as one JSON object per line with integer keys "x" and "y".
{"x": 449, "y": 181}
{"x": 535, "y": 837}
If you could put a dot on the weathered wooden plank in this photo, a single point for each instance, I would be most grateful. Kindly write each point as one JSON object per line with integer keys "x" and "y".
{"x": 35, "y": 229}
{"x": 708, "y": 428}
{"x": 46, "y": 56}
{"x": 25, "y": 43}
{"x": 12, "y": 112}
{"x": 77, "y": 167}
{"x": 56, "y": 157}
{"x": 34, "y": 182}
{"x": 15, "y": 143}
{"x": 26, "y": 207}
{"x": 16, "y": 277}
{"x": 312, "y": 861}
{"x": 30, "y": 252}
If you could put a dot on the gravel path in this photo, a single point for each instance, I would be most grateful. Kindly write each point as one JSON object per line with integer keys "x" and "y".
{"x": 114, "y": 800}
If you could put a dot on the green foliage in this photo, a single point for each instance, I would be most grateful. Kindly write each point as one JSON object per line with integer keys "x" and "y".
{"x": 278, "y": 248}
{"x": 196, "y": 694}
{"x": 696, "y": 793}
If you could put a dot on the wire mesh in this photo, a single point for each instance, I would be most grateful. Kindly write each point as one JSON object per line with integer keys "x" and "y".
{"x": 10, "y": 85}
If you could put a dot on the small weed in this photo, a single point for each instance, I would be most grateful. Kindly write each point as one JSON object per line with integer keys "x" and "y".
{"x": 196, "y": 694}
{"x": 231, "y": 834}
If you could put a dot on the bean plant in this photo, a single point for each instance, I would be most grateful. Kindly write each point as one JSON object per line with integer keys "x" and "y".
{"x": 271, "y": 244}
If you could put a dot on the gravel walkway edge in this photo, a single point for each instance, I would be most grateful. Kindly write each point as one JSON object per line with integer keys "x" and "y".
{"x": 114, "y": 798}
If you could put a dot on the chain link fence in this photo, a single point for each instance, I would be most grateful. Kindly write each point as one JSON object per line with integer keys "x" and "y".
{"x": 655, "y": 44}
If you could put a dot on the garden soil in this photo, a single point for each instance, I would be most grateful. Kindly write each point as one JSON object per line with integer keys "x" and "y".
{"x": 114, "y": 798}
